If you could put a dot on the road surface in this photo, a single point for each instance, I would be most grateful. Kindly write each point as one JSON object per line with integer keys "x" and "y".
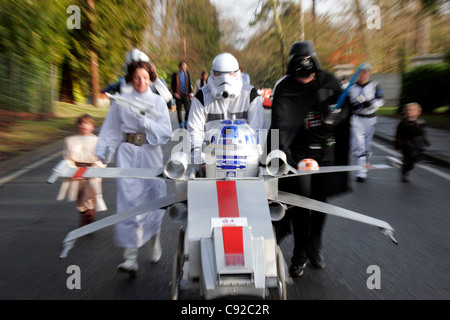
{"x": 361, "y": 262}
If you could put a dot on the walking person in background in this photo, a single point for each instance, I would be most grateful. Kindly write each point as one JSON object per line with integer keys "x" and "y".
{"x": 411, "y": 138}
{"x": 79, "y": 153}
{"x": 201, "y": 82}
{"x": 366, "y": 97}
{"x": 136, "y": 140}
{"x": 182, "y": 91}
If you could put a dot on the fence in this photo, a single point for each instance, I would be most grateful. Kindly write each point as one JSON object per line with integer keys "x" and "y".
{"x": 27, "y": 85}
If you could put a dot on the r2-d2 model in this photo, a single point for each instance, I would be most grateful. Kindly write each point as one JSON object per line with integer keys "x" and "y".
{"x": 232, "y": 150}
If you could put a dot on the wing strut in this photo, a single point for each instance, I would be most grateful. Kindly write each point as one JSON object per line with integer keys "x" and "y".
{"x": 300, "y": 201}
{"x": 71, "y": 237}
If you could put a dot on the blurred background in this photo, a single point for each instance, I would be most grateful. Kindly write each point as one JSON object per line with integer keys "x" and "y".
{"x": 57, "y": 55}
{"x": 67, "y": 50}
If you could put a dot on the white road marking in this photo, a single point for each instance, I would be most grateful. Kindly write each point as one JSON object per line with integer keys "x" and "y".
{"x": 421, "y": 165}
{"x": 27, "y": 168}
{"x": 24, "y": 170}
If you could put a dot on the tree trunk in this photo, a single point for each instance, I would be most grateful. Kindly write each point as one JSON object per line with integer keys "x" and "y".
{"x": 302, "y": 20}
{"x": 360, "y": 30}
{"x": 66, "y": 91}
{"x": 280, "y": 33}
{"x": 94, "y": 57}
{"x": 423, "y": 32}
{"x": 167, "y": 19}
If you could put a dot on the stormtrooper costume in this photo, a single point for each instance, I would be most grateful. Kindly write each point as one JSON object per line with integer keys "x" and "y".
{"x": 119, "y": 125}
{"x": 365, "y": 100}
{"x": 224, "y": 97}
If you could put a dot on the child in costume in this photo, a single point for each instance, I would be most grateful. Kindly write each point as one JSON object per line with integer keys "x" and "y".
{"x": 411, "y": 138}
{"x": 79, "y": 152}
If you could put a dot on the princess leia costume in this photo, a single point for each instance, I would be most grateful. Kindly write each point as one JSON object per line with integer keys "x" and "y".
{"x": 136, "y": 141}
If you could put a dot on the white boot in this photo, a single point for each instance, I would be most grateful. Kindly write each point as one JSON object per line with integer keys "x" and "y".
{"x": 155, "y": 248}
{"x": 130, "y": 265}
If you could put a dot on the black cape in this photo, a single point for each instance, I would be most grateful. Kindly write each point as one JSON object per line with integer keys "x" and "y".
{"x": 294, "y": 102}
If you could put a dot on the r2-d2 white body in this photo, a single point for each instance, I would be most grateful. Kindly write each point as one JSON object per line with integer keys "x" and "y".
{"x": 232, "y": 150}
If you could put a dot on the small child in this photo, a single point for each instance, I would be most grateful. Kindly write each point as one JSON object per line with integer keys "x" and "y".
{"x": 79, "y": 152}
{"x": 411, "y": 138}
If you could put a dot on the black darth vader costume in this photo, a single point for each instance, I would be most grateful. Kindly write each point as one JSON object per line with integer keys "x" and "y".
{"x": 300, "y": 113}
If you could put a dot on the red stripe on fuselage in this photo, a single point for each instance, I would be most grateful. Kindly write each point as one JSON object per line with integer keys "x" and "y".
{"x": 227, "y": 199}
{"x": 233, "y": 241}
{"x": 234, "y": 247}
{"x": 80, "y": 172}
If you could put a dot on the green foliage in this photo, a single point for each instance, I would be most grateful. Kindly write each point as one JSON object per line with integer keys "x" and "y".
{"x": 200, "y": 23}
{"x": 32, "y": 28}
{"x": 31, "y": 42}
{"x": 39, "y": 52}
{"x": 25, "y": 135}
{"x": 427, "y": 85}
{"x": 117, "y": 27}
{"x": 35, "y": 37}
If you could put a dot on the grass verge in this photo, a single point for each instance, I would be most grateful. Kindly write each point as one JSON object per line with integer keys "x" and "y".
{"x": 24, "y": 134}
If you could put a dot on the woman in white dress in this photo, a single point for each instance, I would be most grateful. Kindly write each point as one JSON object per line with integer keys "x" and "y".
{"x": 136, "y": 141}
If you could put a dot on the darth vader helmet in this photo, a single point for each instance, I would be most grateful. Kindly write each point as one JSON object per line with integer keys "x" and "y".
{"x": 303, "y": 59}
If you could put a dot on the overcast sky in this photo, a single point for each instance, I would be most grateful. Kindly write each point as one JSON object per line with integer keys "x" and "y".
{"x": 244, "y": 10}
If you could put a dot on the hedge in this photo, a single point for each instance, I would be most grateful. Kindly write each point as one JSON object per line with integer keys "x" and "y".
{"x": 428, "y": 85}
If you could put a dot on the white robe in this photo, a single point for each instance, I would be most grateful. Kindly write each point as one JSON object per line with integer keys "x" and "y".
{"x": 78, "y": 148}
{"x": 135, "y": 232}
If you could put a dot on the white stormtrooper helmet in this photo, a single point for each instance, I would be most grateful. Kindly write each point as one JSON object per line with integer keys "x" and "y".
{"x": 226, "y": 78}
{"x": 134, "y": 55}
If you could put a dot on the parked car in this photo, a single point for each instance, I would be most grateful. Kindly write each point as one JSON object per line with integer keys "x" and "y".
{"x": 266, "y": 93}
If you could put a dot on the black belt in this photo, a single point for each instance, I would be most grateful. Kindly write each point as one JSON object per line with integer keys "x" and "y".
{"x": 329, "y": 142}
{"x": 366, "y": 115}
{"x": 83, "y": 164}
{"x": 138, "y": 139}
{"x": 322, "y": 145}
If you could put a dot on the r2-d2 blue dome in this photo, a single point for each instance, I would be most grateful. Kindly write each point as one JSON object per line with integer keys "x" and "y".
{"x": 232, "y": 150}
